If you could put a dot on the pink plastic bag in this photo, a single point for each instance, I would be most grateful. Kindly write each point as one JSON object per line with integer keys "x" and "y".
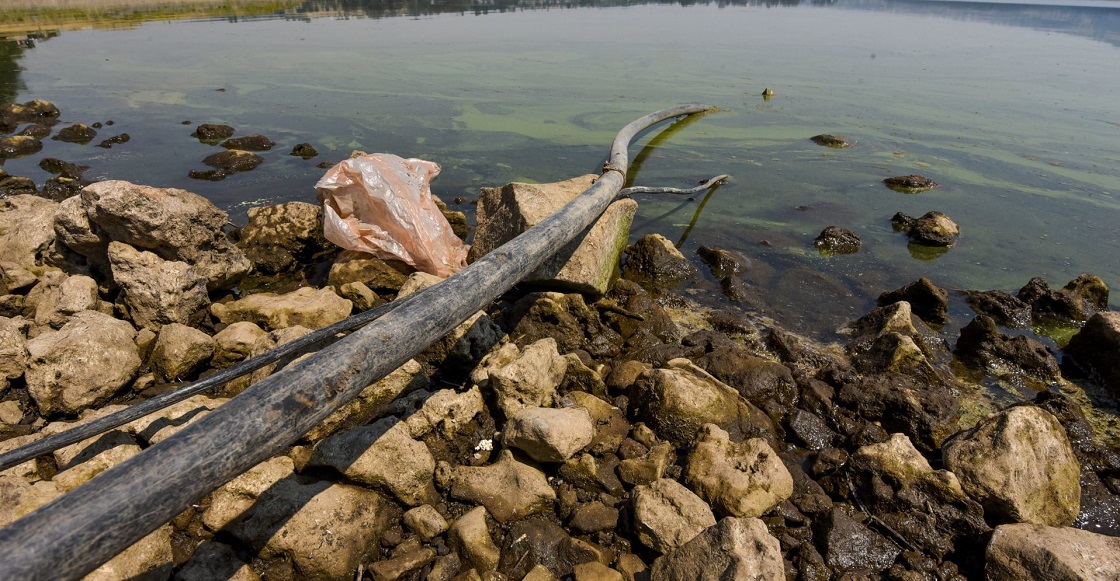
{"x": 381, "y": 204}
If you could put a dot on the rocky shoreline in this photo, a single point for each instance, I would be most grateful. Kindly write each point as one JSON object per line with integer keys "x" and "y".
{"x": 594, "y": 435}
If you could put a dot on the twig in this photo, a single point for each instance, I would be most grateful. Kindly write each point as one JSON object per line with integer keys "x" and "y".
{"x": 704, "y": 185}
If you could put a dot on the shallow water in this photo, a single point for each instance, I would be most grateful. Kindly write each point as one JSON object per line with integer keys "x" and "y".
{"x": 1011, "y": 108}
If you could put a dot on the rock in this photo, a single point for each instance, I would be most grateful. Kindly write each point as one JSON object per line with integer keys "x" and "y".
{"x": 304, "y": 150}
{"x": 1003, "y": 307}
{"x": 214, "y": 560}
{"x": 649, "y": 468}
{"x": 931, "y": 229}
{"x": 833, "y": 141}
{"x": 811, "y": 430}
{"x": 549, "y": 434}
{"x": 837, "y": 240}
{"x": 740, "y": 480}
{"x": 668, "y": 515}
{"x": 926, "y": 507}
{"x": 283, "y": 237}
{"x": 237, "y": 496}
{"x": 76, "y": 133}
{"x": 36, "y": 130}
{"x": 530, "y": 378}
{"x": 82, "y": 364}
{"x": 19, "y": 497}
{"x": 1096, "y": 348}
{"x": 372, "y": 401}
{"x": 375, "y": 273}
{"x": 148, "y": 558}
{"x": 55, "y": 301}
{"x": 595, "y": 571}
{"x": 910, "y": 184}
{"x": 155, "y": 427}
{"x": 13, "y": 348}
{"x": 1077, "y": 301}
{"x": 361, "y": 296}
{"x": 654, "y": 260}
{"x": 174, "y": 224}
{"x": 610, "y": 422}
{"x": 525, "y": 489}
{"x": 15, "y": 278}
{"x": 238, "y": 342}
{"x": 679, "y": 400}
{"x": 11, "y": 186}
{"x": 158, "y": 292}
{"x": 1020, "y": 466}
{"x": 982, "y": 347}
{"x": 733, "y": 549}
{"x": 324, "y": 529}
{"x": 425, "y": 521}
{"x": 80, "y": 462}
{"x": 594, "y": 517}
{"x": 12, "y": 146}
{"x": 402, "y": 563}
{"x": 26, "y": 229}
{"x": 226, "y": 163}
{"x": 382, "y": 455}
{"x": 925, "y": 411}
{"x": 564, "y": 317}
{"x": 115, "y": 140}
{"x": 446, "y": 412}
{"x": 254, "y": 142}
{"x": 62, "y": 168}
{"x": 466, "y": 344}
{"x": 180, "y": 351}
{"x": 470, "y": 537}
{"x": 305, "y": 306}
{"x": 723, "y": 263}
{"x": 926, "y": 300}
{"x": 1026, "y": 552}
{"x": 537, "y": 542}
{"x": 14, "y": 114}
{"x": 207, "y": 132}
{"x": 539, "y": 573}
{"x": 849, "y": 545}
{"x": 760, "y": 381}
{"x": 587, "y": 263}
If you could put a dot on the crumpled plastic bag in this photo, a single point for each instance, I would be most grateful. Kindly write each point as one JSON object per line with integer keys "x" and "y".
{"x": 381, "y": 204}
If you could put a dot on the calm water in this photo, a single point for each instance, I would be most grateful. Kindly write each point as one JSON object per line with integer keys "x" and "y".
{"x": 1014, "y": 109}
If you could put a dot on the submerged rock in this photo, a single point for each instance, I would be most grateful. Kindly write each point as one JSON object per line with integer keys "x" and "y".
{"x": 837, "y": 240}
{"x": 18, "y": 146}
{"x": 910, "y": 184}
{"x": 1020, "y": 466}
{"x": 931, "y": 229}
{"x": 304, "y": 150}
{"x": 15, "y": 186}
{"x": 226, "y": 163}
{"x": 115, "y": 140}
{"x": 37, "y": 111}
{"x": 833, "y": 141}
{"x": 76, "y": 133}
{"x": 254, "y": 142}
{"x": 210, "y": 133}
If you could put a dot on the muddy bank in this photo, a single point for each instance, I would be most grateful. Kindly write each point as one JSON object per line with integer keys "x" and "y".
{"x": 627, "y": 434}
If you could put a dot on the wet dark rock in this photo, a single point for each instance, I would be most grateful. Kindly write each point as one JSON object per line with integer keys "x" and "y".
{"x": 13, "y": 114}
{"x": 1077, "y": 301}
{"x": 834, "y": 141}
{"x": 982, "y": 346}
{"x": 36, "y": 130}
{"x": 837, "y": 240}
{"x": 536, "y": 541}
{"x": 931, "y": 229}
{"x": 283, "y": 237}
{"x": 927, "y": 300}
{"x": 226, "y": 163}
{"x": 849, "y": 545}
{"x": 212, "y": 133}
{"x": 1006, "y": 309}
{"x": 76, "y": 133}
{"x": 891, "y": 339}
{"x": 565, "y": 317}
{"x": 62, "y": 168}
{"x": 114, "y": 140}
{"x": 723, "y": 263}
{"x": 1096, "y": 349}
{"x": 733, "y": 548}
{"x": 254, "y": 142}
{"x": 15, "y": 186}
{"x": 458, "y": 220}
{"x": 1092, "y": 455}
{"x": 811, "y": 430}
{"x": 910, "y": 184}
{"x": 61, "y": 188}
{"x": 324, "y": 165}
{"x": 756, "y": 379}
{"x": 594, "y": 517}
{"x": 18, "y": 146}
{"x": 926, "y": 412}
{"x": 653, "y": 260}
{"x": 304, "y": 150}
{"x": 643, "y": 324}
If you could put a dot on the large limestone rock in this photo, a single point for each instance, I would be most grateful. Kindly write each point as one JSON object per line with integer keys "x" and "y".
{"x": 524, "y": 488}
{"x": 325, "y": 530}
{"x": 175, "y": 224}
{"x": 158, "y": 292}
{"x": 668, "y": 515}
{"x": 179, "y": 351}
{"x": 58, "y": 297}
{"x": 13, "y": 348}
{"x": 237, "y": 496}
{"x": 1020, "y": 466}
{"x": 734, "y": 548}
{"x": 678, "y": 400}
{"x": 238, "y": 342}
{"x": 1026, "y": 552}
{"x": 740, "y": 480}
{"x": 587, "y": 263}
{"x": 383, "y": 455}
{"x": 549, "y": 434}
{"x": 279, "y": 238}
{"x": 306, "y": 306}
{"x": 19, "y": 497}
{"x": 26, "y": 229}
{"x": 82, "y": 364}
{"x": 529, "y": 379}
{"x": 1096, "y": 348}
